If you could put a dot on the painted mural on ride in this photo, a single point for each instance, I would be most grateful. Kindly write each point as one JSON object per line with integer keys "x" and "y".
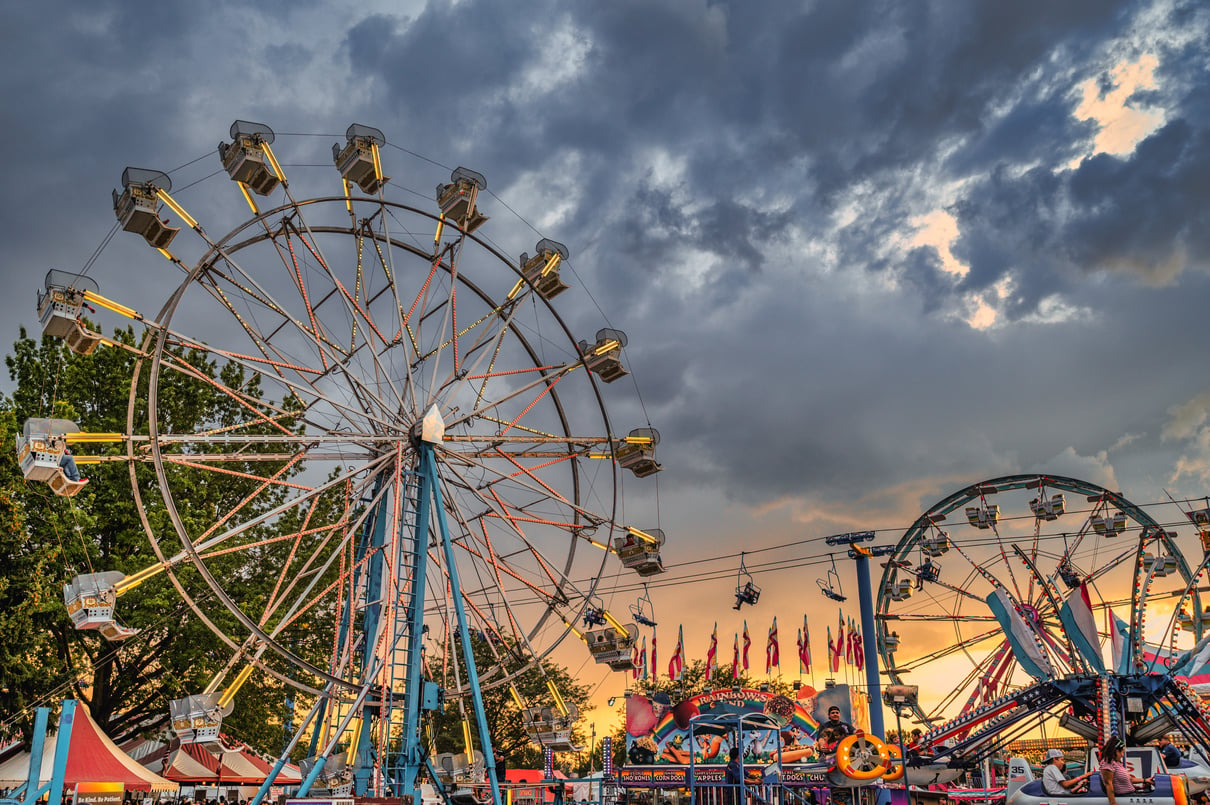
{"x": 665, "y": 740}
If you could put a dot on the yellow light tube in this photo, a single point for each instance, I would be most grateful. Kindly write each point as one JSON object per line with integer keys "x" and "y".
{"x": 377, "y": 161}
{"x": 235, "y": 685}
{"x": 551, "y": 263}
{"x": 134, "y": 580}
{"x": 558, "y": 698}
{"x": 516, "y": 697}
{"x": 273, "y": 163}
{"x": 466, "y": 737}
{"x": 109, "y": 304}
{"x": 167, "y": 255}
{"x": 348, "y": 195}
{"x": 243, "y": 188}
{"x": 440, "y": 229}
{"x": 81, "y": 437}
{"x": 643, "y": 535}
{"x": 189, "y": 220}
{"x": 608, "y": 346}
{"x": 614, "y": 622}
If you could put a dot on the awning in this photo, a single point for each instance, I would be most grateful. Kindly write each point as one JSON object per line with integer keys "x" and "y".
{"x": 91, "y": 758}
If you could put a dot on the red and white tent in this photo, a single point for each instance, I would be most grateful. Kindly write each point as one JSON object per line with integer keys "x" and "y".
{"x": 91, "y": 758}
{"x": 191, "y": 764}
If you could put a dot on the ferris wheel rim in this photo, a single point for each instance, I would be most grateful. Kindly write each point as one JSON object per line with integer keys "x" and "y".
{"x": 226, "y": 246}
{"x": 1151, "y": 532}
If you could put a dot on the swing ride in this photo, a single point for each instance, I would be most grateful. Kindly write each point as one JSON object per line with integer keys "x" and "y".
{"x": 423, "y": 483}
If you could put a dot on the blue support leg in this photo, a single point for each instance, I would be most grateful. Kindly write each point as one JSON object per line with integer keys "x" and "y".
{"x": 428, "y": 467}
{"x": 873, "y": 685}
{"x": 37, "y": 746}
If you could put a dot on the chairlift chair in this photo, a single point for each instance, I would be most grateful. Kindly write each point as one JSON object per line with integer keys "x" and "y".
{"x": 746, "y": 591}
{"x": 644, "y": 616}
{"x": 830, "y": 584}
{"x": 594, "y": 612}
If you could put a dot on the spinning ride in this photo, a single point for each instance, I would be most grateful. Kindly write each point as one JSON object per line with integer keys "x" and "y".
{"x": 422, "y": 480}
{"x": 1014, "y": 580}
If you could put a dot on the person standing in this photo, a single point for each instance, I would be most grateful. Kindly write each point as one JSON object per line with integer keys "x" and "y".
{"x": 733, "y": 777}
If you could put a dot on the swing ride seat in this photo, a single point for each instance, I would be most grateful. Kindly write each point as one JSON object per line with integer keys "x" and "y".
{"x": 1070, "y": 577}
{"x": 608, "y": 646}
{"x": 898, "y": 589}
{"x": 983, "y": 516}
{"x": 1159, "y": 565}
{"x": 545, "y": 281}
{"x": 40, "y": 449}
{"x": 929, "y": 571}
{"x": 638, "y": 456}
{"x": 457, "y": 198}
{"x": 639, "y": 554}
{"x": 935, "y": 545}
{"x": 196, "y": 719}
{"x": 138, "y": 207}
{"x": 603, "y": 358}
{"x": 355, "y": 160}
{"x": 90, "y": 599}
{"x": 1109, "y": 525}
{"x": 1045, "y": 509}
{"x": 244, "y": 157}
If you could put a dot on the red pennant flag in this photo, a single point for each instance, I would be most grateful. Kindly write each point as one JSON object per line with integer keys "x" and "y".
{"x": 806, "y": 645}
{"x": 772, "y": 653}
{"x": 676, "y": 666}
{"x": 747, "y": 644}
{"x": 735, "y": 658}
{"x": 712, "y": 653}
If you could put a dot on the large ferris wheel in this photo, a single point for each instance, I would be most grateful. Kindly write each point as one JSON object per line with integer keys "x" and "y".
{"x": 418, "y": 467}
{"x": 985, "y": 588}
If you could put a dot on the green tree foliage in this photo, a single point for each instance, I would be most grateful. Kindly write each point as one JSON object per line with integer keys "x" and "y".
{"x": 47, "y": 540}
{"x": 504, "y": 719}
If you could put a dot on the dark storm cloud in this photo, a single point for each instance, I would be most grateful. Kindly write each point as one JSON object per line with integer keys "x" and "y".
{"x": 737, "y": 191}
{"x": 1144, "y": 214}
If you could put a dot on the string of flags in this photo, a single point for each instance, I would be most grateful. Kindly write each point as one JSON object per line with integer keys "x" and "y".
{"x": 845, "y": 649}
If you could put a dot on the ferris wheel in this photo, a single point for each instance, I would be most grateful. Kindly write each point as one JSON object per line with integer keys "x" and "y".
{"x": 1025, "y": 577}
{"x": 421, "y": 483}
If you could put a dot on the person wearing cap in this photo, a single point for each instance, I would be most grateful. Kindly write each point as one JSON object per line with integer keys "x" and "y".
{"x": 1117, "y": 778}
{"x": 1055, "y": 781}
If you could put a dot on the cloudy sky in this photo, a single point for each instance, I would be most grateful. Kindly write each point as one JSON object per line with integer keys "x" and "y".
{"x": 866, "y": 253}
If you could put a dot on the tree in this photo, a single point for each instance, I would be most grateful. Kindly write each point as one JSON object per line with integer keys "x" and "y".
{"x": 504, "y": 719}
{"x": 47, "y": 540}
